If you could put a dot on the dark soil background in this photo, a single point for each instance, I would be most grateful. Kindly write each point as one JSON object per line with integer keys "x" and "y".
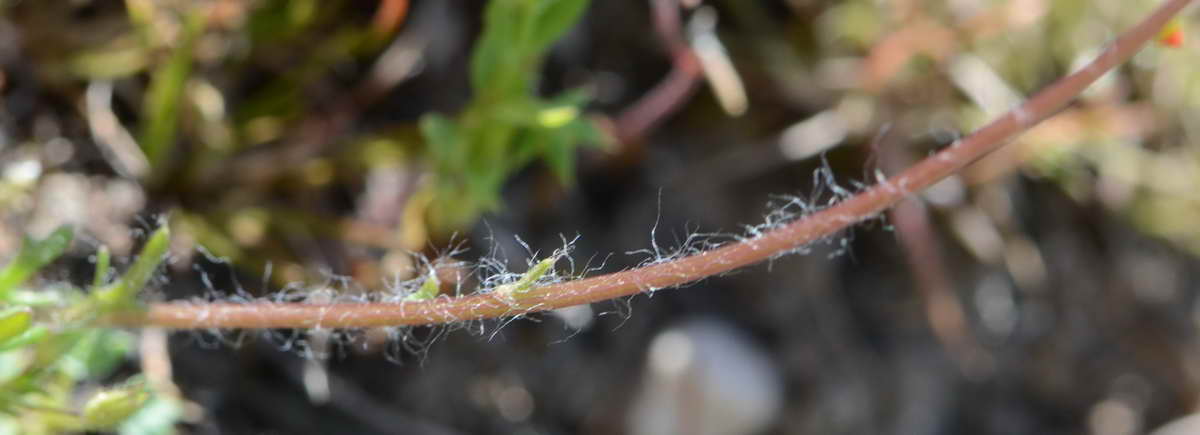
{"x": 1051, "y": 289}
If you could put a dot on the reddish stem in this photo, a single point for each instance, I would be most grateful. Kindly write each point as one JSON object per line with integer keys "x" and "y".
{"x": 821, "y": 224}
{"x": 668, "y": 95}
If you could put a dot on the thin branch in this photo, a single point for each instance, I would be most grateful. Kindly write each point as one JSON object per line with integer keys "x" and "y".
{"x": 943, "y": 309}
{"x": 632, "y": 124}
{"x": 816, "y": 226}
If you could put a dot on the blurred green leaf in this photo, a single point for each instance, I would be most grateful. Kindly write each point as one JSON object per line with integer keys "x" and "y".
{"x": 554, "y": 18}
{"x": 515, "y": 111}
{"x": 123, "y": 292}
{"x": 161, "y": 112}
{"x": 38, "y": 298}
{"x": 103, "y": 258}
{"x": 11, "y": 365}
{"x": 276, "y": 20}
{"x": 141, "y": 16}
{"x": 96, "y": 353}
{"x": 54, "y": 347}
{"x": 441, "y": 135}
{"x": 30, "y": 336}
{"x": 108, "y": 409}
{"x": 560, "y": 157}
{"x": 506, "y": 126}
{"x": 34, "y": 255}
{"x": 301, "y": 12}
{"x": 498, "y": 51}
{"x": 156, "y": 417}
{"x": 14, "y": 321}
{"x": 109, "y": 64}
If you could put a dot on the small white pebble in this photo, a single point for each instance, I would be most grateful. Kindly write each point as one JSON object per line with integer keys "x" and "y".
{"x": 23, "y": 172}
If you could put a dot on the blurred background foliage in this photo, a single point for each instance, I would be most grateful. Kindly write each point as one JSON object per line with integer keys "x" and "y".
{"x": 53, "y": 351}
{"x": 304, "y": 141}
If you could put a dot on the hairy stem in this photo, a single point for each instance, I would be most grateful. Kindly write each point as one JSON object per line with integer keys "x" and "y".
{"x": 860, "y": 207}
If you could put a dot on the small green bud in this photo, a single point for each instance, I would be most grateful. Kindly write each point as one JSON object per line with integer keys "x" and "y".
{"x": 110, "y": 408}
{"x": 124, "y": 291}
{"x": 428, "y": 290}
{"x": 530, "y": 277}
{"x": 556, "y": 117}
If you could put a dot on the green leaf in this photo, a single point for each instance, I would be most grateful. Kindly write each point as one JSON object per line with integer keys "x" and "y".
{"x": 560, "y": 156}
{"x": 428, "y": 290}
{"x": 108, "y": 409}
{"x": 529, "y": 144}
{"x": 12, "y": 365}
{"x": 109, "y": 64}
{"x": 441, "y": 135}
{"x": 109, "y": 348}
{"x": 157, "y": 417}
{"x": 505, "y": 127}
{"x": 30, "y": 336}
{"x": 572, "y": 97}
{"x": 443, "y": 143}
{"x": 36, "y": 298}
{"x": 14, "y": 322}
{"x": 554, "y": 18}
{"x": 166, "y": 90}
{"x": 586, "y": 132}
{"x": 54, "y": 347}
{"x": 496, "y": 54}
{"x": 103, "y": 258}
{"x": 123, "y": 292}
{"x": 34, "y": 255}
{"x": 515, "y": 111}
{"x": 96, "y": 353}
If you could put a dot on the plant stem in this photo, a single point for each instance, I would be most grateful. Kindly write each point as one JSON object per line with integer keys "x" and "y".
{"x": 858, "y": 208}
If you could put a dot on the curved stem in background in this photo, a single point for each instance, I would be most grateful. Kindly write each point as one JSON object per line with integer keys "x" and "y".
{"x": 860, "y": 207}
{"x": 632, "y": 124}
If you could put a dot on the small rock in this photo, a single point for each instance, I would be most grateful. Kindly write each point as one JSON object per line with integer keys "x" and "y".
{"x": 705, "y": 377}
{"x": 1186, "y": 425}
